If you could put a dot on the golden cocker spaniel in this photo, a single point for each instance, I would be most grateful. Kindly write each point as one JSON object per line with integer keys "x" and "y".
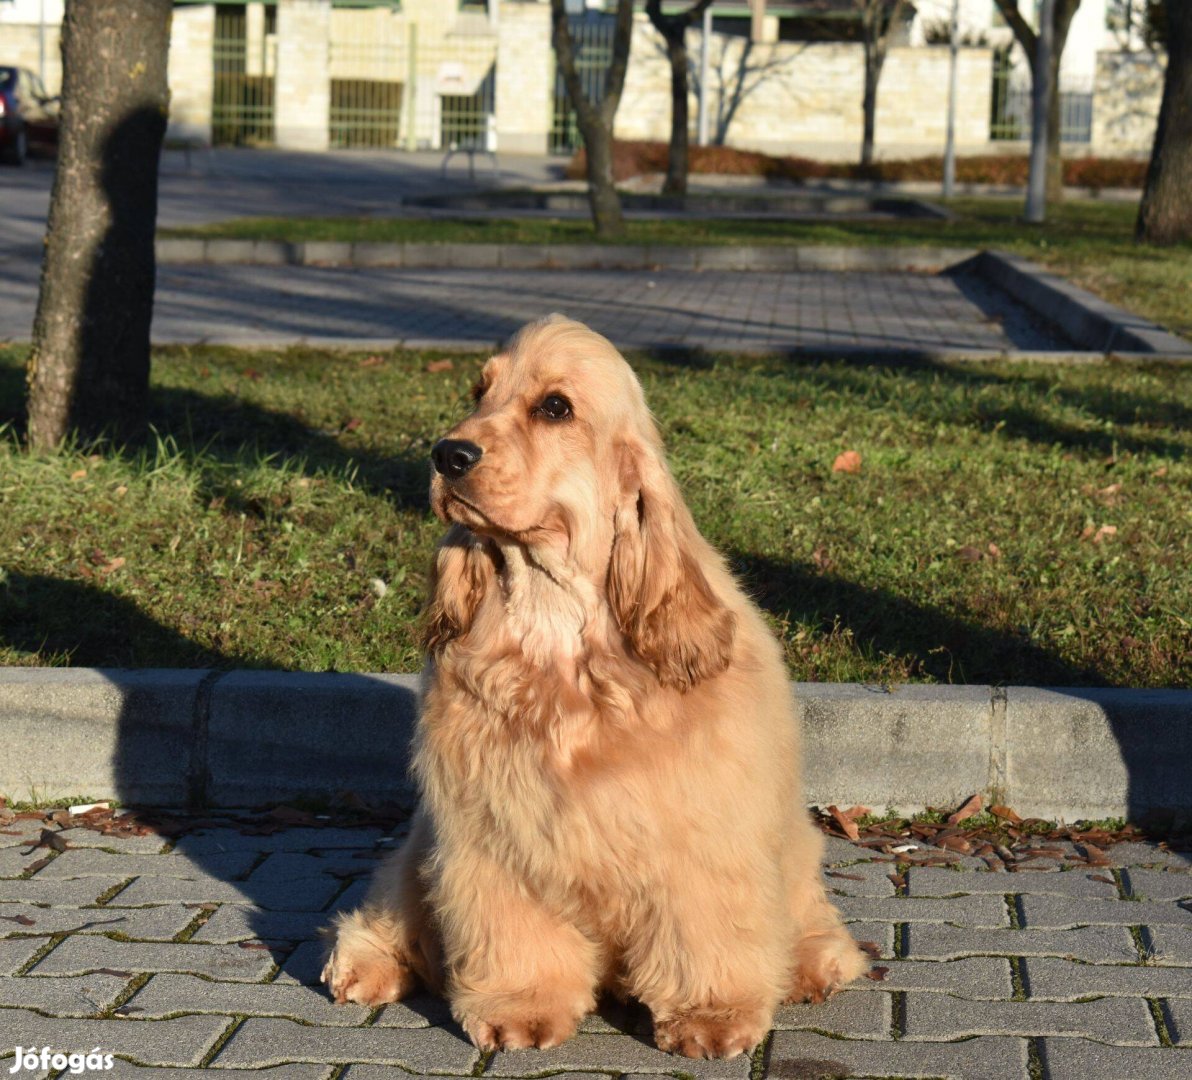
{"x": 608, "y": 762}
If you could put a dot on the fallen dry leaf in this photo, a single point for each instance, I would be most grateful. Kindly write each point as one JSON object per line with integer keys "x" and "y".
{"x": 968, "y": 553}
{"x": 251, "y": 373}
{"x": 841, "y": 874}
{"x": 854, "y": 812}
{"x": 848, "y": 462}
{"x": 823, "y": 561}
{"x": 22, "y": 920}
{"x": 1095, "y": 855}
{"x": 352, "y": 423}
{"x": 439, "y": 365}
{"x": 372, "y": 361}
{"x": 114, "y": 971}
{"x": 847, "y": 825}
{"x": 1102, "y": 878}
{"x": 112, "y": 565}
{"x": 870, "y": 948}
{"x": 78, "y": 474}
{"x": 995, "y": 552}
{"x": 877, "y": 974}
{"x": 971, "y": 806}
{"x": 1005, "y": 814}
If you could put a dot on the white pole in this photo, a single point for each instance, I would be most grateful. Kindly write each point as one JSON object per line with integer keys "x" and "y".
{"x": 1036, "y": 193}
{"x": 705, "y": 35}
{"x": 41, "y": 43}
{"x": 950, "y": 140}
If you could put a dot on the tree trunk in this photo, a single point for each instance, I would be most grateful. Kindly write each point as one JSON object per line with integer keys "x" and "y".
{"x": 1165, "y": 213}
{"x": 595, "y": 121}
{"x": 1065, "y": 10}
{"x": 89, "y": 368}
{"x": 873, "y": 72}
{"x": 676, "y": 161}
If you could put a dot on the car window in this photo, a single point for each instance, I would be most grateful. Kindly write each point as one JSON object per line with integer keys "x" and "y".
{"x": 8, "y": 76}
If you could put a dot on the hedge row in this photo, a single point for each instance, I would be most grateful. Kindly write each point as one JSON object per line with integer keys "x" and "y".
{"x": 636, "y": 158}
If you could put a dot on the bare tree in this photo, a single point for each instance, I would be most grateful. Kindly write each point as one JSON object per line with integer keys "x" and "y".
{"x": 89, "y": 368}
{"x": 673, "y": 29}
{"x": 878, "y": 20}
{"x": 1028, "y": 38}
{"x": 1165, "y": 214}
{"x": 595, "y": 119}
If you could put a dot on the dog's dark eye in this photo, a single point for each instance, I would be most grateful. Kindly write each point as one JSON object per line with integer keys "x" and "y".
{"x": 554, "y": 407}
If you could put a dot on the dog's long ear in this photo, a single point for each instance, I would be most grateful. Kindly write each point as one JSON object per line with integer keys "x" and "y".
{"x": 461, "y": 573}
{"x": 658, "y": 592}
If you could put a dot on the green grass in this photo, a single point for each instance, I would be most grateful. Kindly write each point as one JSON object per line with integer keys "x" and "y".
{"x": 280, "y": 486}
{"x": 1087, "y": 240}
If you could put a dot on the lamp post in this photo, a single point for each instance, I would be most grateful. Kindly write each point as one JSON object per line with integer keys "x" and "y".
{"x": 950, "y": 139}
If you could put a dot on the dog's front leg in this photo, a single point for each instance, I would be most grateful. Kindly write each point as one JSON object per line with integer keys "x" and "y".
{"x": 385, "y": 948}
{"x": 518, "y": 975}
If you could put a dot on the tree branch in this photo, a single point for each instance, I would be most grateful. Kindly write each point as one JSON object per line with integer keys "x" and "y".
{"x": 1023, "y": 33}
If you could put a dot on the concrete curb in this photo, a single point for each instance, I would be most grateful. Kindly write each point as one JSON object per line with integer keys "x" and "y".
{"x": 420, "y": 256}
{"x": 179, "y": 737}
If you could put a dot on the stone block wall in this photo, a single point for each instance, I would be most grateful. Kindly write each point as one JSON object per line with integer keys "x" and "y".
{"x": 1126, "y": 97}
{"x": 191, "y": 74}
{"x": 21, "y": 47}
{"x": 302, "y": 99}
{"x": 525, "y": 78}
{"x": 805, "y": 99}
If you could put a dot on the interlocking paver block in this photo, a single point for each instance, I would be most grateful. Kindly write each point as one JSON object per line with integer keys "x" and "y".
{"x": 1170, "y": 945}
{"x": 20, "y": 833}
{"x": 1143, "y": 854}
{"x": 149, "y": 924}
{"x": 78, "y": 955}
{"x": 978, "y": 910}
{"x": 238, "y": 922}
{"x": 612, "y": 1053}
{"x": 798, "y": 1055}
{"x": 305, "y": 896}
{"x": 291, "y": 866}
{"x": 932, "y": 881}
{"x": 419, "y": 1011}
{"x": 166, "y": 994}
{"x": 977, "y": 977}
{"x": 872, "y": 933}
{"x": 1050, "y": 979}
{"x": 82, "y": 995}
{"x": 938, "y": 1017}
{"x": 123, "y": 1070}
{"x": 838, "y": 850}
{"x": 1179, "y": 1021}
{"x": 1079, "y": 1059}
{"x": 260, "y": 1042}
{"x": 149, "y": 844}
{"x": 16, "y": 953}
{"x": 181, "y": 1041}
{"x": 14, "y": 861}
{"x": 1041, "y": 912}
{"x": 1158, "y": 884}
{"x": 850, "y": 1014}
{"x": 304, "y": 964}
{"x": 74, "y": 893}
{"x": 874, "y": 879}
{"x": 301, "y": 839}
{"x": 1097, "y": 944}
{"x": 92, "y": 862}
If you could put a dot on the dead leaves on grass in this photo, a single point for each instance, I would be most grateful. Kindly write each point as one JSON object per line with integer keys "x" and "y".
{"x": 847, "y": 462}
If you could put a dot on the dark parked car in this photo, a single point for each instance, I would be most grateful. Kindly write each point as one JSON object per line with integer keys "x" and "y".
{"x": 28, "y": 116}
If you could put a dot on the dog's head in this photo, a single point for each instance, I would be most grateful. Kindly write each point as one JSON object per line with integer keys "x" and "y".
{"x": 561, "y": 456}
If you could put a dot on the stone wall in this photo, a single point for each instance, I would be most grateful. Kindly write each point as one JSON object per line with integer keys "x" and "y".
{"x": 525, "y": 78}
{"x": 191, "y": 74}
{"x": 1126, "y": 98}
{"x": 21, "y": 48}
{"x": 302, "y": 107}
{"x": 805, "y": 99}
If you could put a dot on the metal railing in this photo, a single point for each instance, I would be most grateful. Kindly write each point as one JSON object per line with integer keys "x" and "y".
{"x": 1010, "y": 116}
{"x": 593, "y": 34}
{"x": 244, "y": 61}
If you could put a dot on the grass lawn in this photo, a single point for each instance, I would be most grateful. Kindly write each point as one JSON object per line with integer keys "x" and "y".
{"x": 1017, "y": 524}
{"x": 1091, "y": 242}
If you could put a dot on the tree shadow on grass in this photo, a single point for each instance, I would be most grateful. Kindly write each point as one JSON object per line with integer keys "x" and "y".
{"x": 944, "y": 647}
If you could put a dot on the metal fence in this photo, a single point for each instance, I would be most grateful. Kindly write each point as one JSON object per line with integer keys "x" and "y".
{"x": 244, "y": 59}
{"x": 367, "y": 93}
{"x": 1010, "y": 118}
{"x": 593, "y": 34}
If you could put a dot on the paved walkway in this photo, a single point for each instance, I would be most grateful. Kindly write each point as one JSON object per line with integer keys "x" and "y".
{"x": 637, "y": 309}
{"x": 204, "y": 955}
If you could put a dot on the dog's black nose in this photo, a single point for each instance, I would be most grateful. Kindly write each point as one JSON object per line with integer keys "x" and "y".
{"x": 454, "y": 457}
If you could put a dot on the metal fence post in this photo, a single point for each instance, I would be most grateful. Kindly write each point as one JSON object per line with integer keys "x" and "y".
{"x": 411, "y": 86}
{"x": 950, "y": 139}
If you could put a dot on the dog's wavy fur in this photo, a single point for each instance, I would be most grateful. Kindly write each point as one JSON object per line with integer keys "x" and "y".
{"x": 608, "y": 761}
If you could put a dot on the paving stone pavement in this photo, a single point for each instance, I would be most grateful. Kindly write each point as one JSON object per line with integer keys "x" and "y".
{"x": 263, "y": 305}
{"x": 202, "y": 956}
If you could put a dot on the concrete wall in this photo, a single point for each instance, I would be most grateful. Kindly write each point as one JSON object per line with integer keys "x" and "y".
{"x": 191, "y": 74}
{"x": 805, "y": 99}
{"x": 21, "y": 46}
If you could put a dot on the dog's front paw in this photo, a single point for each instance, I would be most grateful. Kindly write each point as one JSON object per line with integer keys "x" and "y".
{"x": 712, "y": 1033}
{"x": 533, "y": 1030}
{"x": 823, "y": 964}
{"x": 360, "y": 972}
